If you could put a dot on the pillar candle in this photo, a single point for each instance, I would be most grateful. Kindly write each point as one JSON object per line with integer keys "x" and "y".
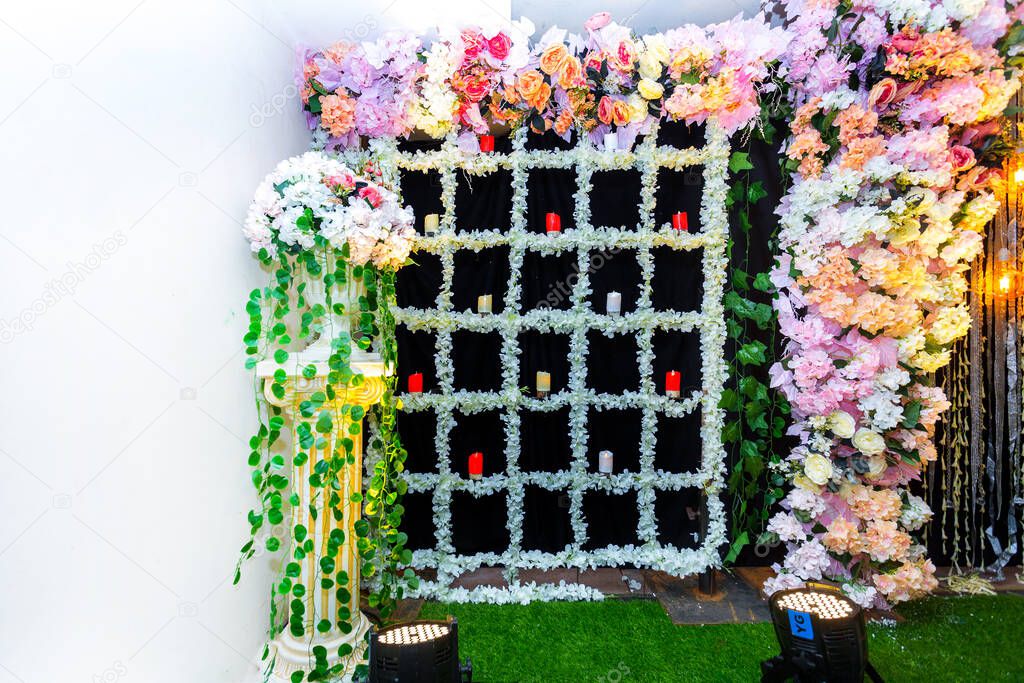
{"x": 483, "y": 304}
{"x": 430, "y": 223}
{"x": 614, "y": 303}
{"x": 554, "y": 223}
{"x": 476, "y": 466}
{"x": 680, "y": 221}
{"x": 605, "y": 462}
{"x": 416, "y": 383}
{"x": 486, "y": 143}
{"x": 543, "y": 384}
{"x": 611, "y": 141}
{"x": 672, "y": 380}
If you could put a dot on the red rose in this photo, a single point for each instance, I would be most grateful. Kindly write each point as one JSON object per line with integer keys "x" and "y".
{"x": 499, "y": 46}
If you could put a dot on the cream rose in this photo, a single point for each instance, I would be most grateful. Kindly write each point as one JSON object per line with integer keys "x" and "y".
{"x": 657, "y": 46}
{"x": 650, "y": 65}
{"x": 868, "y": 442}
{"x": 650, "y": 90}
{"x": 802, "y": 482}
{"x": 818, "y": 468}
{"x": 842, "y": 424}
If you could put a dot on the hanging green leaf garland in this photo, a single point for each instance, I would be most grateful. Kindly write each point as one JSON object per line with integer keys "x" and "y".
{"x": 756, "y": 413}
{"x": 333, "y": 242}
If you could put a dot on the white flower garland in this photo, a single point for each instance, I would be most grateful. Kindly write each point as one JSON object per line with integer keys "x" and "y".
{"x": 648, "y": 158}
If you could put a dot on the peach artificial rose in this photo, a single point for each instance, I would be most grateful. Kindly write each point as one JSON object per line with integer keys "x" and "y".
{"x": 552, "y": 59}
{"x": 571, "y": 73}
{"x": 620, "y": 112}
{"x": 529, "y": 84}
{"x": 606, "y": 110}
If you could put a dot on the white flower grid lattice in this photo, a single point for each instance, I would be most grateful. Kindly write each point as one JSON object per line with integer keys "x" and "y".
{"x": 443, "y": 320}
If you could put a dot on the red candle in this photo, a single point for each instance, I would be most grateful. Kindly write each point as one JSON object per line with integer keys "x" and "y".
{"x": 680, "y": 221}
{"x": 486, "y": 143}
{"x": 672, "y": 381}
{"x": 554, "y": 222}
{"x": 476, "y": 465}
{"x": 416, "y": 383}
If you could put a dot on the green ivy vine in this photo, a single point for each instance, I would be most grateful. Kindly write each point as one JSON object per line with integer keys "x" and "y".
{"x": 324, "y": 423}
{"x": 756, "y": 414}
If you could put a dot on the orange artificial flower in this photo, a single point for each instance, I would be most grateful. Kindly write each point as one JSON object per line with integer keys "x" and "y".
{"x": 552, "y": 59}
{"x": 571, "y": 73}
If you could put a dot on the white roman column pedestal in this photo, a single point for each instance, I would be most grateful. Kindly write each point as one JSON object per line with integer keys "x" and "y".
{"x": 295, "y": 653}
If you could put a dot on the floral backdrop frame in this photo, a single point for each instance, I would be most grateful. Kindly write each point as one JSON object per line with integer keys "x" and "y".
{"x": 585, "y": 239}
{"x": 606, "y": 81}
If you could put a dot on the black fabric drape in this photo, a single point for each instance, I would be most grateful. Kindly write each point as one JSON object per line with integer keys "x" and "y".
{"x": 480, "y": 524}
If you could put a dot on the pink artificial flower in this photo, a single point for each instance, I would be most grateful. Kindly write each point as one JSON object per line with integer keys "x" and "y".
{"x": 346, "y": 181}
{"x": 473, "y": 43}
{"x": 597, "y": 21}
{"x": 962, "y": 157}
{"x": 372, "y": 195}
{"x": 499, "y": 46}
{"x": 470, "y": 115}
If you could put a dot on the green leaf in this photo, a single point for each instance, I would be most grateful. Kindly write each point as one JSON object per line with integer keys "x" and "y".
{"x": 730, "y": 401}
{"x": 751, "y": 353}
{"x": 748, "y": 449}
{"x": 740, "y": 161}
{"x": 762, "y": 282}
{"x": 325, "y": 423}
{"x": 756, "y": 192}
{"x": 737, "y": 545}
{"x": 912, "y": 414}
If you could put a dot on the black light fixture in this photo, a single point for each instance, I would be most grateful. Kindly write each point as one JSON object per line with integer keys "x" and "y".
{"x": 418, "y": 652}
{"x": 823, "y": 637}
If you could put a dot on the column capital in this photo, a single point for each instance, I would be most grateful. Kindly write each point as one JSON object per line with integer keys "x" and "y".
{"x": 297, "y": 386}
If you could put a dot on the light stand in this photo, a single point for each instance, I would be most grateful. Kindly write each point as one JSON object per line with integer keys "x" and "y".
{"x": 823, "y": 637}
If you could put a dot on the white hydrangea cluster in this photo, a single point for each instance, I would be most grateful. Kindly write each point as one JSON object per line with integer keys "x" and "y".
{"x": 314, "y": 193}
{"x": 916, "y": 513}
{"x": 882, "y": 409}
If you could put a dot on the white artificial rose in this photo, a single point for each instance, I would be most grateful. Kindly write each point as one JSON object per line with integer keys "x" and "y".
{"x": 868, "y": 442}
{"x": 818, "y": 469}
{"x": 842, "y": 424}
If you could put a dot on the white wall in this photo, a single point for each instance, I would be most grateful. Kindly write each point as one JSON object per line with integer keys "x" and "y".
{"x": 133, "y": 134}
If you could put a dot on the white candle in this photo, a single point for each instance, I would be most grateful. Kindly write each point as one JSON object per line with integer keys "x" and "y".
{"x": 614, "y": 303}
{"x": 543, "y": 384}
{"x": 605, "y": 462}
{"x": 430, "y": 223}
{"x": 611, "y": 141}
{"x": 483, "y": 304}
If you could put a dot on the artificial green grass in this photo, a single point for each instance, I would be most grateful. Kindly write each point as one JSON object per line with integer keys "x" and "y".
{"x": 942, "y": 639}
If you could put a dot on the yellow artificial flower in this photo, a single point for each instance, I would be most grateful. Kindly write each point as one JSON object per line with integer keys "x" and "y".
{"x": 650, "y": 90}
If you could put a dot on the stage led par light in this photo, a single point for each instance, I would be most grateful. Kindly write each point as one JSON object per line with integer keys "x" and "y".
{"x": 823, "y": 637}
{"x": 418, "y": 652}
